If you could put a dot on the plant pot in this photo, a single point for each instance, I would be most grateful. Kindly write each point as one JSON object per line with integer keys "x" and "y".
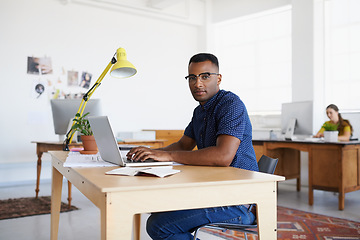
{"x": 331, "y": 136}
{"x": 89, "y": 145}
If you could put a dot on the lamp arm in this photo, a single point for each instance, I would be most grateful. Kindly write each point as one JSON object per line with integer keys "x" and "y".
{"x": 86, "y": 97}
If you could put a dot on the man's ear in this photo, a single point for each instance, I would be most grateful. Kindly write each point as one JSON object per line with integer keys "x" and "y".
{"x": 219, "y": 77}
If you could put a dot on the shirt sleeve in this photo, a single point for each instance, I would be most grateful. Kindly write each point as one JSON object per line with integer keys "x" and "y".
{"x": 322, "y": 129}
{"x": 189, "y": 130}
{"x": 233, "y": 118}
{"x": 347, "y": 129}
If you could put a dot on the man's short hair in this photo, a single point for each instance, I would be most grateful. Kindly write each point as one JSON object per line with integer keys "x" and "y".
{"x": 202, "y": 57}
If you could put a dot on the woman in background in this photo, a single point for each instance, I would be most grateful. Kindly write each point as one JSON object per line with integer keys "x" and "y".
{"x": 344, "y": 127}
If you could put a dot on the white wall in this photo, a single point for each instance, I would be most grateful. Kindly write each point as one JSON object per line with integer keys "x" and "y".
{"x": 229, "y": 9}
{"x": 81, "y": 37}
{"x": 308, "y": 56}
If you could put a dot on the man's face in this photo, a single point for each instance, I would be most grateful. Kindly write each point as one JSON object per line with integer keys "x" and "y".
{"x": 203, "y": 89}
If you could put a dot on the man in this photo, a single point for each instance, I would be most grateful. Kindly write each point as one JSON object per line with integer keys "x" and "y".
{"x": 221, "y": 129}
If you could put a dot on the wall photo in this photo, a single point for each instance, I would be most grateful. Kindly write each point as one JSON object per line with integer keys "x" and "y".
{"x": 39, "y": 66}
{"x": 85, "y": 80}
{"x": 73, "y": 78}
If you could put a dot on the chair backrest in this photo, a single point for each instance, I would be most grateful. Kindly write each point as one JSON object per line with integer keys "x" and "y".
{"x": 267, "y": 164}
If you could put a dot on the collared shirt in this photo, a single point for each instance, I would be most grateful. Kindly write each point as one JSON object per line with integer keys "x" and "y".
{"x": 225, "y": 114}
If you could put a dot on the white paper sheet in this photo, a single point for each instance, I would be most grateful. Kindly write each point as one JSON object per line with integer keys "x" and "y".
{"x": 75, "y": 159}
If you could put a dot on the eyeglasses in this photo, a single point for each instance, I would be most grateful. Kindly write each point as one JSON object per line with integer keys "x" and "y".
{"x": 192, "y": 78}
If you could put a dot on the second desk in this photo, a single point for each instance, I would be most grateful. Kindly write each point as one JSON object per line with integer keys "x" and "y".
{"x": 333, "y": 166}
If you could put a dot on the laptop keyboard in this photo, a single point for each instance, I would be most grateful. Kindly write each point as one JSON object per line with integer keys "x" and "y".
{"x": 128, "y": 148}
{"x": 131, "y": 161}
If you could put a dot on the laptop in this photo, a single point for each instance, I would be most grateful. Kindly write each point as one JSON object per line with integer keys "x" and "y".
{"x": 108, "y": 147}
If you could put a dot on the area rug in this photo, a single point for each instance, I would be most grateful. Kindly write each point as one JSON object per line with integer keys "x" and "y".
{"x": 22, "y": 207}
{"x": 300, "y": 225}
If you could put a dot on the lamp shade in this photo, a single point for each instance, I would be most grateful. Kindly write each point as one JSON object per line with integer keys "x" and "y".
{"x": 122, "y": 68}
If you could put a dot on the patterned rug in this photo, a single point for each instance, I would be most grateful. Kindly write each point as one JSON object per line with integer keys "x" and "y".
{"x": 22, "y": 207}
{"x": 300, "y": 225}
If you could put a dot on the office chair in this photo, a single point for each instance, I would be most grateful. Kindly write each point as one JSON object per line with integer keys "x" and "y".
{"x": 266, "y": 165}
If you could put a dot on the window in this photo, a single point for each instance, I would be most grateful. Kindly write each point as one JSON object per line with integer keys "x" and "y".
{"x": 255, "y": 58}
{"x": 342, "y": 53}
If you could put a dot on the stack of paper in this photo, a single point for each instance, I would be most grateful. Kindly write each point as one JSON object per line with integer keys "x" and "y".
{"x": 75, "y": 159}
{"x": 162, "y": 171}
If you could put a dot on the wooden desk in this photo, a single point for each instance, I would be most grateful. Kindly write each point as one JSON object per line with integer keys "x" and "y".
{"x": 332, "y": 166}
{"x": 120, "y": 198}
{"x": 42, "y": 147}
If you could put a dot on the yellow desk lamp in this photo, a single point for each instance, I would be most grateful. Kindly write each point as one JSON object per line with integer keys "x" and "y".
{"x": 121, "y": 68}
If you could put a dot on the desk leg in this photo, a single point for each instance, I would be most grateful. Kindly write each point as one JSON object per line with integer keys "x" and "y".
{"x": 267, "y": 217}
{"x": 117, "y": 221}
{"x": 341, "y": 199}
{"x": 69, "y": 195}
{"x": 137, "y": 223}
{"x": 298, "y": 184}
{"x": 38, "y": 171}
{"x": 56, "y": 187}
{"x": 341, "y": 162}
{"x": 310, "y": 171}
{"x": 311, "y": 196}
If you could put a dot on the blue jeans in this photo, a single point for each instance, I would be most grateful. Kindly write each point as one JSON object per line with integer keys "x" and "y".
{"x": 178, "y": 225}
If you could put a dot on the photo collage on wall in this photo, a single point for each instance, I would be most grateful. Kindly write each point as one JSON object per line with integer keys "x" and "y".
{"x": 48, "y": 83}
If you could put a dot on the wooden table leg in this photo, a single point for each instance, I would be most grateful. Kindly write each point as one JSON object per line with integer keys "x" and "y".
{"x": 310, "y": 180}
{"x": 311, "y": 196}
{"x": 341, "y": 173}
{"x": 298, "y": 184}
{"x": 56, "y": 187}
{"x": 137, "y": 223}
{"x": 38, "y": 172}
{"x": 267, "y": 217}
{"x": 69, "y": 195}
{"x": 112, "y": 218}
{"x": 341, "y": 199}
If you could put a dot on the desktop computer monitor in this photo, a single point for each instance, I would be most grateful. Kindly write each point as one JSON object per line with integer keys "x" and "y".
{"x": 64, "y": 110}
{"x": 302, "y": 112}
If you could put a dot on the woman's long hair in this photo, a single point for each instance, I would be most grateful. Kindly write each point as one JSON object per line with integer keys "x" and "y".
{"x": 341, "y": 120}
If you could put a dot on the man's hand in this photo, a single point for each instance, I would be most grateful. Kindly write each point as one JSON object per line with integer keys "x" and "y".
{"x": 181, "y": 152}
{"x": 143, "y": 153}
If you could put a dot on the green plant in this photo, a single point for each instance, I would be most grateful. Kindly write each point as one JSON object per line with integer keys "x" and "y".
{"x": 82, "y": 124}
{"x": 330, "y": 126}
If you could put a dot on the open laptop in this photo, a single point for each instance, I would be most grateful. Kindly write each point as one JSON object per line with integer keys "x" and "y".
{"x": 109, "y": 148}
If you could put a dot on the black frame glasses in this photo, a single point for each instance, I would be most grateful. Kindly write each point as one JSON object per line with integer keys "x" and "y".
{"x": 192, "y": 78}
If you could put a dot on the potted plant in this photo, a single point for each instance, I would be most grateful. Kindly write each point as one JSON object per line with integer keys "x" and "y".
{"x": 331, "y": 132}
{"x": 82, "y": 125}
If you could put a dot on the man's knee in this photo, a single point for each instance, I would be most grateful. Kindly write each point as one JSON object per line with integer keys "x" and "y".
{"x": 152, "y": 227}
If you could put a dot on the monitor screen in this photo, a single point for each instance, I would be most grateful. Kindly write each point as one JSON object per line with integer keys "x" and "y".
{"x": 302, "y": 112}
{"x": 64, "y": 110}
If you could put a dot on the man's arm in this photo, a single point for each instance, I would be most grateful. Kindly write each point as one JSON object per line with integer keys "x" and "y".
{"x": 184, "y": 144}
{"x": 220, "y": 155}
{"x": 345, "y": 137}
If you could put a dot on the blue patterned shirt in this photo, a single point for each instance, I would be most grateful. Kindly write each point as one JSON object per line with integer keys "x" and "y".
{"x": 225, "y": 114}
